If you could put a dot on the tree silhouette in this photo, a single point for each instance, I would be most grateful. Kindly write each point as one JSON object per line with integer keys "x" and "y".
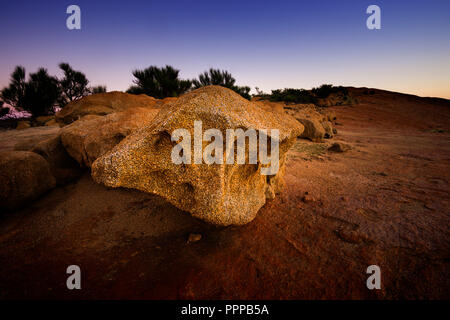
{"x": 41, "y": 93}
{"x": 73, "y": 86}
{"x": 220, "y": 78}
{"x": 159, "y": 82}
{"x": 15, "y": 92}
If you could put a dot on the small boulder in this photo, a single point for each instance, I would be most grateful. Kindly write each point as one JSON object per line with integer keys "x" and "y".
{"x": 25, "y": 176}
{"x": 339, "y": 147}
{"x": 314, "y": 130}
{"x": 194, "y": 237}
{"x": 312, "y": 120}
{"x": 328, "y": 127}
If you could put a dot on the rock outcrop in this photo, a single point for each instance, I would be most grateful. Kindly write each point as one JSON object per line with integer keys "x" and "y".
{"x": 25, "y": 176}
{"x": 92, "y": 136}
{"x": 221, "y": 194}
{"x": 102, "y": 104}
{"x": 25, "y": 140}
{"x": 46, "y": 142}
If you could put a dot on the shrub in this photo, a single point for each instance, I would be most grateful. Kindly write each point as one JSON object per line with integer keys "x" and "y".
{"x": 325, "y": 90}
{"x": 220, "y": 78}
{"x": 98, "y": 89}
{"x": 159, "y": 82}
{"x": 214, "y": 77}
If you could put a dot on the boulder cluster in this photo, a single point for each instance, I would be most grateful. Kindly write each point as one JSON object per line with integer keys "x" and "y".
{"x": 125, "y": 141}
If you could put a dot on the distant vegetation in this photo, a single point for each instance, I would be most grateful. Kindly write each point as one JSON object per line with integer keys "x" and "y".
{"x": 41, "y": 93}
{"x": 159, "y": 82}
{"x": 315, "y": 95}
{"x": 292, "y": 96}
{"x": 220, "y": 78}
{"x": 98, "y": 89}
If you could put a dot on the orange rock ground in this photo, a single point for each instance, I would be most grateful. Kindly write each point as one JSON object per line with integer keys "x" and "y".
{"x": 385, "y": 202}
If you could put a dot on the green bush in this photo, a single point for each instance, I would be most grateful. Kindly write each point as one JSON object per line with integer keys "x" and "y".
{"x": 159, "y": 82}
{"x": 98, "y": 89}
{"x": 221, "y": 78}
{"x": 325, "y": 90}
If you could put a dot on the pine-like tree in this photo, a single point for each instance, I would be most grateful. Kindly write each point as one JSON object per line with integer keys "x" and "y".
{"x": 15, "y": 92}
{"x": 73, "y": 86}
{"x": 41, "y": 93}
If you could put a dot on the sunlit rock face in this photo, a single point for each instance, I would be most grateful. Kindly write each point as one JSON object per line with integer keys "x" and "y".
{"x": 101, "y": 104}
{"x": 221, "y": 194}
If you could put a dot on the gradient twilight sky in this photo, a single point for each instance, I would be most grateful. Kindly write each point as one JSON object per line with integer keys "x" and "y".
{"x": 268, "y": 44}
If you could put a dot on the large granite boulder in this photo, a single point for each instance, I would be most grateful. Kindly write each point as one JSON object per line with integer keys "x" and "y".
{"x": 102, "y": 104}
{"x": 92, "y": 136}
{"x": 24, "y": 176}
{"x": 221, "y": 194}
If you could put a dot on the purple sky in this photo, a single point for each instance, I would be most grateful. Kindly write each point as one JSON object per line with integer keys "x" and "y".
{"x": 268, "y": 44}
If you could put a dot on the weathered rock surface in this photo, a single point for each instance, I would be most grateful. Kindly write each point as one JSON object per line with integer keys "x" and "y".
{"x": 102, "y": 104}
{"x": 25, "y": 140}
{"x": 51, "y": 122}
{"x": 269, "y": 105}
{"x": 221, "y": 194}
{"x": 24, "y": 176}
{"x": 92, "y": 136}
{"x": 42, "y": 120}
